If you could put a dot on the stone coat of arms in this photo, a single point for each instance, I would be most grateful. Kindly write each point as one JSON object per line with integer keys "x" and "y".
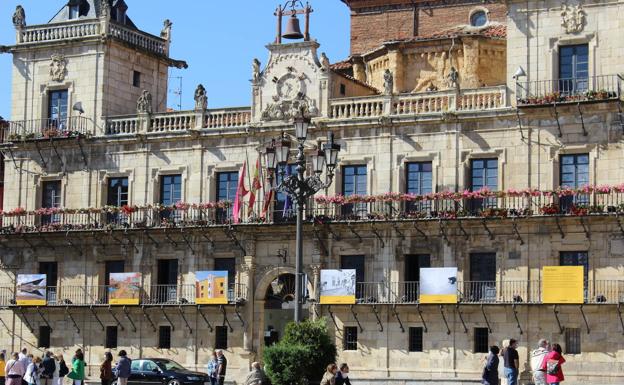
{"x": 572, "y": 18}
{"x": 58, "y": 67}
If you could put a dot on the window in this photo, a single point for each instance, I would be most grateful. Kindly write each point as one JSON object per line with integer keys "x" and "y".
{"x": 227, "y": 183}
{"x": 418, "y": 181}
{"x": 482, "y": 284}
{"x": 484, "y": 175}
{"x": 481, "y": 343}
{"x": 167, "y": 281}
{"x": 575, "y": 258}
{"x": 136, "y": 79}
{"x": 111, "y": 337}
{"x": 350, "y": 338}
{"x": 284, "y": 206}
{"x": 74, "y": 11}
{"x": 354, "y": 183}
{"x": 50, "y": 269}
{"x": 44, "y": 337}
{"x": 573, "y": 173}
{"x": 164, "y": 337}
{"x": 221, "y": 337}
{"x": 415, "y": 339}
{"x": 57, "y": 109}
{"x": 170, "y": 194}
{"x": 573, "y": 341}
{"x": 573, "y": 69}
{"x": 117, "y": 195}
{"x": 478, "y": 18}
{"x": 355, "y": 262}
{"x": 343, "y": 89}
{"x": 149, "y": 366}
{"x": 411, "y": 274}
{"x": 229, "y": 265}
{"x": 135, "y": 365}
{"x": 51, "y": 198}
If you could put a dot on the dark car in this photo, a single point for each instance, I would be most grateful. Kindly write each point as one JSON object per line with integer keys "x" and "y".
{"x": 160, "y": 371}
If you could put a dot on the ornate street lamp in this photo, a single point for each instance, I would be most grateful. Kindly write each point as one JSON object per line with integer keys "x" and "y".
{"x": 299, "y": 187}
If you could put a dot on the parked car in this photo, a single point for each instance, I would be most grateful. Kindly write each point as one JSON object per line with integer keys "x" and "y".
{"x": 160, "y": 371}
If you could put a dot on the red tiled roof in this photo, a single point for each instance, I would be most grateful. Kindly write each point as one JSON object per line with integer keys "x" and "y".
{"x": 493, "y": 30}
{"x": 341, "y": 65}
{"x": 354, "y": 80}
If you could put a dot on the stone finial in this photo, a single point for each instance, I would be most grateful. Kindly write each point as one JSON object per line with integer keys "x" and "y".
{"x": 388, "y": 82}
{"x": 58, "y": 67}
{"x": 255, "y": 68}
{"x": 201, "y": 99}
{"x": 105, "y": 10}
{"x": 19, "y": 17}
{"x": 166, "y": 31}
{"x": 144, "y": 103}
{"x": 453, "y": 78}
{"x": 325, "y": 65}
{"x": 572, "y": 18}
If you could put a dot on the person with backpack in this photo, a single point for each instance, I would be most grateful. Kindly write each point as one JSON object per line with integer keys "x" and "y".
{"x": 537, "y": 358}
{"x": 14, "y": 370}
{"x": 63, "y": 369}
{"x": 552, "y": 365}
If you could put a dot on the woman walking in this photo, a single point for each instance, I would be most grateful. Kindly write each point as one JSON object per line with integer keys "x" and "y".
{"x": 106, "y": 369}
{"x": 78, "y": 368}
{"x": 213, "y": 363}
{"x": 63, "y": 369}
{"x": 490, "y": 371}
{"x": 33, "y": 372}
{"x": 329, "y": 378}
{"x": 14, "y": 370}
{"x": 552, "y": 365}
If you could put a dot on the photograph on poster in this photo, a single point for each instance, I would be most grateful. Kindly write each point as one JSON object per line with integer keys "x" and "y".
{"x": 124, "y": 289}
{"x": 337, "y": 286}
{"x": 31, "y": 289}
{"x": 438, "y": 285}
{"x": 211, "y": 287}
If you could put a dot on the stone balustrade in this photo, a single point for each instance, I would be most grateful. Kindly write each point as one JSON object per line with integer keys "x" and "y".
{"x": 123, "y": 125}
{"x": 230, "y": 117}
{"x": 170, "y": 122}
{"x": 362, "y": 107}
{"x": 58, "y": 31}
{"x": 140, "y": 39}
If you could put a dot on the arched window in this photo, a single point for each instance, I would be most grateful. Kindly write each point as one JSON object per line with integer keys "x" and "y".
{"x": 478, "y": 18}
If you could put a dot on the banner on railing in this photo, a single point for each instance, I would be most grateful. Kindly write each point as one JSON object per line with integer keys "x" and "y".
{"x": 31, "y": 290}
{"x": 124, "y": 289}
{"x": 562, "y": 284}
{"x": 438, "y": 285}
{"x": 337, "y": 287}
{"x": 211, "y": 287}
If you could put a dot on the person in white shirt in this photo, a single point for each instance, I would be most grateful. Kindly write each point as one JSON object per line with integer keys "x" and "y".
{"x": 537, "y": 358}
{"x": 14, "y": 370}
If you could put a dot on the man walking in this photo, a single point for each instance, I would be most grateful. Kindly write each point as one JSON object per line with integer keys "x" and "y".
{"x": 122, "y": 369}
{"x": 342, "y": 375}
{"x": 221, "y": 367}
{"x": 512, "y": 362}
{"x": 537, "y": 358}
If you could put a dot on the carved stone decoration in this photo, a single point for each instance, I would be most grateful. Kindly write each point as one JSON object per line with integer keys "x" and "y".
{"x": 453, "y": 78}
{"x": 166, "y": 31}
{"x": 325, "y": 65}
{"x": 572, "y": 18}
{"x": 58, "y": 67}
{"x": 289, "y": 109}
{"x": 105, "y": 10}
{"x": 19, "y": 17}
{"x": 144, "y": 102}
{"x": 388, "y": 82}
{"x": 201, "y": 99}
{"x": 255, "y": 70}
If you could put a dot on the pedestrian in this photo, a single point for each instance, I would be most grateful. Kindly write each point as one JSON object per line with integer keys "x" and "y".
{"x": 14, "y": 370}
{"x": 48, "y": 367}
{"x": 537, "y": 359}
{"x": 25, "y": 359}
{"x": 342, "y": 375}
{"x": 329, "y": 377}
{"x": 213, "y": 363}
{"x": 512, "y": 362}
{"x": 2, "y": 368}
{"x": 57, "y": 370}
{"x": 63, "y": 369}
{"x": 106, "y": 369}
{"x": 23, "y": 354}
{"x": 256, "y": 376}
{"x": 33, "y": 371}
{"x": 221, "y": 367}
{"x": 490, "y": 370}
{"x": 77, "y": 373}
{"x": 122, "y": 369}
{"x": 552, "y": 365}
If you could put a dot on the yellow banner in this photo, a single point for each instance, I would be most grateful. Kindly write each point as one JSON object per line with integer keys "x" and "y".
{"x": 211, "y": 301}
{"x": 337, "y": 300}
{"x": 562, "y": 284}
{"x": 123, "y": 301}
{"x": 438, "y": 298}
{"x": 31, "y": 302}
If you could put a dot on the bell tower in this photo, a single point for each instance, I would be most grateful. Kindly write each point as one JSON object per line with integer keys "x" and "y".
{"x": 89, "y": 59}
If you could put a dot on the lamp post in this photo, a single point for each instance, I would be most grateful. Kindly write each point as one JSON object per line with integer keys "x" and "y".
{"x": 299, "y": 187}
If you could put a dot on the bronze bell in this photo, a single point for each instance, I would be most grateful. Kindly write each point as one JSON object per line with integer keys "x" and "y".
{"x": 293, "y": 30}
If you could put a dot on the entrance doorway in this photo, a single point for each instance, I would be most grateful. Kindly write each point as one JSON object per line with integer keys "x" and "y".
{"x": 279, "y": 307}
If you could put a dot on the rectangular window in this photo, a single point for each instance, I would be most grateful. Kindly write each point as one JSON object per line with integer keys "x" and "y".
{"x": 111, "y": 337}
{"x": 44, "y": 337}
{"x": 74, "y": 11}
{"x": 354, "y": 183}
{"x": 136, "y": 79}
{"x": 355, "y": 262}
{"x": 117, "y": 195}
{"x": 350, "y": 338}
{"x": 411, "y": 275}
{"x": 574, "y": 174}
{"x": 415, "y": 339}
{"x": 51, "y": 197}
{"x": 418, "y": 181}
{"x": 575, "y": 258}
{"x": 167, "y": 281}
{"x": 573, "y": 69}
{"x": 482, "y": 284}
{"x": 57, "y": 109}
{"x": 284, "y": 208}
{"x": 483, "y": 175}
{"x": 50, "y": 269}
{"x": 170, "y": 194}
{"x": 164, "y": 337}
{"x": 227, "y": 182}
{"x": 573, "y": 341}
{"x": 481, "y": 342}
{"x": 221, "y": 337}
{"x": 343, "y": 89}
{"x": 229, "y": 265}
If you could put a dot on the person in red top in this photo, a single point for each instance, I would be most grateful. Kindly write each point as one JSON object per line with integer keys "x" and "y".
{"x": 552, "y": 365}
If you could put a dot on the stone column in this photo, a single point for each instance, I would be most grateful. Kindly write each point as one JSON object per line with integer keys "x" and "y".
{"x": 249, "y": 267}
{"x": 398, "y": 69}
{"x": 316, "y": 278}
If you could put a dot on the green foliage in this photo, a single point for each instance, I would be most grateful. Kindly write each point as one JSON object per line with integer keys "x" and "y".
{"x": 304, "y": 352}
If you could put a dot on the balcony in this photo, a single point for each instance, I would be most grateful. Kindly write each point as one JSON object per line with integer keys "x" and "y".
{"x": 569, "y": 91}
{"x": 152, "y": 295}
{"x": 74, "y": 127}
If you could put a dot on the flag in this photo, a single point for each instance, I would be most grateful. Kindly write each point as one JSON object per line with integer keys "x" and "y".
{"x": 240, "y": 193}
{"x": 255, "y": 186}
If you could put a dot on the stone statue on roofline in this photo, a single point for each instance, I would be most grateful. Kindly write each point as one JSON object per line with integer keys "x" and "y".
{"x": 255, "y": 70}
{"x": 388, "y": 82}
{"x": 201, "y": 99}
{"x": 453, "y": 78}
{"x": 105, "y": 10}
{"x": 325, "y": 65}
{"x": 144, "y": 103}
{"x": 19, "y": 17}
{"x": 166, "y": 31}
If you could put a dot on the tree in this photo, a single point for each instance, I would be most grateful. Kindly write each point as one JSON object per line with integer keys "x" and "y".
{"x": 302, "y": 355}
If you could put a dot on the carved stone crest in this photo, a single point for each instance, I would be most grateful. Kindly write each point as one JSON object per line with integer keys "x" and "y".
{"x": 572, "y": 18}
{"x": 388, "y": 82}
{"x": 201, "y": 99}
{"x": 58, "y": 67}
{"x": 19, "y": 17}
{"x": 144, "y": 102}
{"x": 289, "y": 109}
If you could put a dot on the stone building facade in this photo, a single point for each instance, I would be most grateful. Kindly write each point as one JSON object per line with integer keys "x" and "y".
{"x": 492, "y": 144}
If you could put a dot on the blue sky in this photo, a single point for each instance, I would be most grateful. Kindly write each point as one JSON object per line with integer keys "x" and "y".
{"x": 218, "y": 39}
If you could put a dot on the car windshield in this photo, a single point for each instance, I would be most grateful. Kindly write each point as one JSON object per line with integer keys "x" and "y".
{"x": 169, "y": 365}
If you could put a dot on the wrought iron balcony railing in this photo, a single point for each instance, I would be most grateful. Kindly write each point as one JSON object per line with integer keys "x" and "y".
{"x": 572, "y": 90}
{"x": 46, "y": 129}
